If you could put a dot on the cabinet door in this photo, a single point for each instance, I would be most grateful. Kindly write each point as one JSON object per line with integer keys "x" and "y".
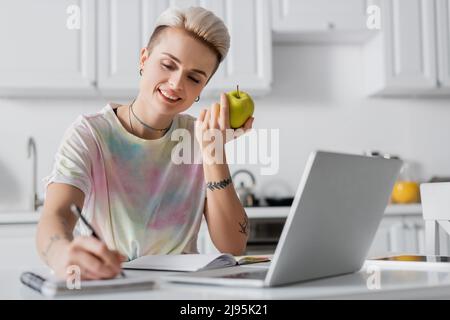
{"x": 306, "y": 15}
{"x": 388, "y": 238}
{"x": 17, "y": 246}
{"x": 410, "y": 47}
{"x": 43, "y": 52}
{"x": 249, "y": 61}
{"x": 125, "y": 27}
{"x": 443, "y": 31}
{"x": 414, "y": 235}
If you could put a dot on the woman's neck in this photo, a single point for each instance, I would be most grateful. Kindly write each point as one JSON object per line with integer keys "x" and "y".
{"x": 147, "y": 115}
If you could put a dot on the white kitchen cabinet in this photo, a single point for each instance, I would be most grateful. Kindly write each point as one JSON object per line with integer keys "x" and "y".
{"x": 40, "y": 54}
{"x": 410, "y": 56}
{"x": 249, "y": 61}
{"x": 388, "y": 237}
{"x": 17, "y": 246}
{"x": 125, "y": 27}
{"x": 443, "y": 39}
{"x": 320, "y": 20}
{"x": 402, "y": 234}
{"x": 411, "y": 50}
{"x": 401, "y": 231}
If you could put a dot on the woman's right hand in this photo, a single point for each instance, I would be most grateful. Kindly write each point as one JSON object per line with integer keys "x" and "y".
{"x": 90, "y": 255}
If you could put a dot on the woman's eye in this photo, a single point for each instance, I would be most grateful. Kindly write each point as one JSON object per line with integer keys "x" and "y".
{"x": 169, "y": 67}
{"x": 166, "y": 66}
{"x": 195, "y": 80}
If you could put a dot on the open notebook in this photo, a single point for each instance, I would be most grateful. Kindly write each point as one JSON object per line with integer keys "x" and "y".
{"x": 191, "y": 262}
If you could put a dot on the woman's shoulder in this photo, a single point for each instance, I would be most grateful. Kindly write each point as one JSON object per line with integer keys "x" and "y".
{"x": 86, "y": 124}
{"x": 90, "y": 118}
{"x": 103, "y": 113}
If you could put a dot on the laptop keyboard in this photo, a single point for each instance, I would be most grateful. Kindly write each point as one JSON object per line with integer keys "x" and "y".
{"x": 247, "y": 275}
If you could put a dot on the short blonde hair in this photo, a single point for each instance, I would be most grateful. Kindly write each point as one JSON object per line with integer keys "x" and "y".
{"x": 200, "y": 23}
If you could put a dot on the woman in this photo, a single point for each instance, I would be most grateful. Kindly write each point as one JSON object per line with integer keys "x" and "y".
{"x": 116, "y": 164}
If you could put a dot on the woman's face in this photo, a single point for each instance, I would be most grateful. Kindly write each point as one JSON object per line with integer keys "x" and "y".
{"x": 176, "y": 71}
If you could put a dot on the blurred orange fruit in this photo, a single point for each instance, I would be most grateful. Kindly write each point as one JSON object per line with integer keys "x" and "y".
{"x": 405, "y": 192}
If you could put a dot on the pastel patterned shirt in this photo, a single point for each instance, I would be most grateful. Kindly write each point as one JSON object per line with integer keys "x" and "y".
{"x": 138, "y": 199}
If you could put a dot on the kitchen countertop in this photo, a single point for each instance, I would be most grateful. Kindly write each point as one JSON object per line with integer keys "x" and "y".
{"x": 282, "y": 212}
{"x": 19, "y": 217}
{"x": 393, "y": 283}
{"x": 27, "y": 217}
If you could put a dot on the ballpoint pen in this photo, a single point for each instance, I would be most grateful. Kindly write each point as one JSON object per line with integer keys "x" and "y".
{"x": 77, "y": 212}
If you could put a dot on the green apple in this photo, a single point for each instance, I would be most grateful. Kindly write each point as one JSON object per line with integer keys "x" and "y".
{"x": 241, "y": 107}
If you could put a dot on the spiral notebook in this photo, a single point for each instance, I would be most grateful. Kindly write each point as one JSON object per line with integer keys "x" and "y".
{"x": 191, "y": 262}
{"x": 50, "y": 286}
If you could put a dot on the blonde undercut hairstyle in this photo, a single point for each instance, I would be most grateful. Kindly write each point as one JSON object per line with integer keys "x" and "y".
{"x": 200, "y": 23}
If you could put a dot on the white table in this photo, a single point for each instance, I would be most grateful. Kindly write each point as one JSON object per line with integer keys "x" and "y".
{"x": 395, "y": 283}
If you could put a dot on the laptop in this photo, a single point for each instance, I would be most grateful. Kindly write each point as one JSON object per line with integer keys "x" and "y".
{"x": 336, "y": 211}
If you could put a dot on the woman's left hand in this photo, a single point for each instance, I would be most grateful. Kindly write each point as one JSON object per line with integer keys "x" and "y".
{"x": 217, "y": 117}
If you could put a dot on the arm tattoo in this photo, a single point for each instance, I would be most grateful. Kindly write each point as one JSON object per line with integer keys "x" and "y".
{"x": 56, "y": 237}
{"x": 53, "y": 239}
{"x": 218, "y": 185}
{"x": 243, "y": 226}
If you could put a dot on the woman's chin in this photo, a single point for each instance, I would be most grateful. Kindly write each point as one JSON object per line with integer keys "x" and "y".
{"x": 167, "y": 108}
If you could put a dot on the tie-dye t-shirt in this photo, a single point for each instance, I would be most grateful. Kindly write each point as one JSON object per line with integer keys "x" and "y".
{"x": 138, "y": 200}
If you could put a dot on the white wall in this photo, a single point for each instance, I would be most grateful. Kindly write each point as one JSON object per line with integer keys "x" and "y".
{"x": 317, "y": 103}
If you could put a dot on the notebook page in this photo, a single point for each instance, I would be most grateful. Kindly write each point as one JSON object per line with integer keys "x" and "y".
{"x": 224, "y": 260}
{"x": 252, "y": 259}
{"x": 174, "y": 262}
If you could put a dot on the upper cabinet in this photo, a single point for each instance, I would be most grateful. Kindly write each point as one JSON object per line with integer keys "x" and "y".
{"x": 126, "y": 27}
{"x": 443, "y": 38}
{"x": 410, "y": 56}
{"x": 249, "y": 61}
{"x": 320, "y": 20}
{"x": 44, "y": 54}
{"x": 46, "y": 48}
{"x": 119, "y": 23}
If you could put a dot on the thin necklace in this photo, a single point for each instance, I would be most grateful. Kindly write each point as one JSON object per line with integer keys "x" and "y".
{"x": 141, "y": 122}
{"x": 129, "y": 117}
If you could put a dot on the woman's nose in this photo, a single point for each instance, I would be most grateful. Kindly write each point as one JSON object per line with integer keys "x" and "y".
{"x": 175, "y": 81}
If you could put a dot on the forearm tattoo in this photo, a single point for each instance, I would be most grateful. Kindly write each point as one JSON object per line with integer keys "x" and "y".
{"x": 53, "y": 239}
{"x": 218, "y": 185}
{"x": 56, "y": 237}
{"x": 243, "y": 226}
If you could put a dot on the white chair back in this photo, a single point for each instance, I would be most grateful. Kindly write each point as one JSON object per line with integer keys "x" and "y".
{"x": 436, "y": 213}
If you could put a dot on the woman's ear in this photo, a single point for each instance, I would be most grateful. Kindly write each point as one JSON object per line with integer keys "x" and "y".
{"x": 144, "y": 57}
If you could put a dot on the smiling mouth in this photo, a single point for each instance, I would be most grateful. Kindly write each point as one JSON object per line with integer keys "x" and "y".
{"x": 166, "y": 98}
